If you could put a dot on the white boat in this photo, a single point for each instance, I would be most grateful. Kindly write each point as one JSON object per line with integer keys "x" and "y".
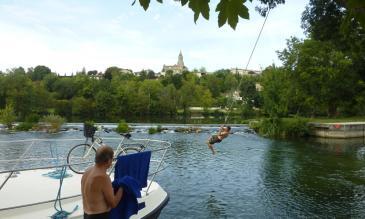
{"x": 30, "y": 193}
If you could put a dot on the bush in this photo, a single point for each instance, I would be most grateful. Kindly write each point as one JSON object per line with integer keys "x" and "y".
{"x": 53, "y": 123}
{"x": 32, "y": 118}
{"x": 152, "y": 131}
{"x": 295, "y": 127}
{"x": 123, "y": 127}
{"x": 7, "y": 116}
{"x": 159, "y": 128}
{"x": 282, "y": 128}
{"x": 24, "y": 126}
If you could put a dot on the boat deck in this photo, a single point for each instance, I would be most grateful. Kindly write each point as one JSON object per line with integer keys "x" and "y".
{"x": 31, "y": 194}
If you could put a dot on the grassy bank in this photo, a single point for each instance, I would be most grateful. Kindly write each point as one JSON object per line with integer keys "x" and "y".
{"x": 292, "y": 127}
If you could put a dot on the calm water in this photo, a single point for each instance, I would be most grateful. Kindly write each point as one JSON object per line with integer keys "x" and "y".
{"x": 250, "y": 177}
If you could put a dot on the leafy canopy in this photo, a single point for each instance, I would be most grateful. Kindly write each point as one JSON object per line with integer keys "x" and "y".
{"x": 229, "y": 11}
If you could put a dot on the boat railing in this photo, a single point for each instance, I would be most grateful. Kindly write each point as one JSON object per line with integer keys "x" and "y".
{"x": 23, "y": 162}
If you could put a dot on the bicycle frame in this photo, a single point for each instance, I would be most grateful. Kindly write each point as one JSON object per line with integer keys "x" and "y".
{"x": 96, "y": 145}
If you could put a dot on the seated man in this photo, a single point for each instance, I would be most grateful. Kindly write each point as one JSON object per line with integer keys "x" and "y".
{"x": 96, "y": 187}
{"x": 222, "y": 134}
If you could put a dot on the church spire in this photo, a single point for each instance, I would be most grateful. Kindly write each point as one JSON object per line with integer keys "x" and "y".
{"x": 180, "y": 61}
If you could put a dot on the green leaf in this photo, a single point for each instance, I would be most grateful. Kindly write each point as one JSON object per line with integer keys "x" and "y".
{"x": 230, "y": 10}
{"x": 183, "y": 2}
{"x": 144, "y": 4}
{"x": 159, "y": 1}
{"x": 222, "y": 15}
{"x": 199, "y": 7}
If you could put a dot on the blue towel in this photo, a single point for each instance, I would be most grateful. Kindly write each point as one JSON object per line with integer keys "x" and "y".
{"x": 131, "y": 172}
{"x": 135, "y": 165}
{"x": 128, "y": 206}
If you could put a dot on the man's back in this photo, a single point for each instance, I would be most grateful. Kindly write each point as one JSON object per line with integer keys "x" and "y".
{"x": 92, "y": 184}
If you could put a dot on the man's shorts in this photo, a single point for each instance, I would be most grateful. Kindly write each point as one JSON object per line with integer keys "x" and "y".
{"x": 214, "y": 139}
{"x": 97, "y": 216}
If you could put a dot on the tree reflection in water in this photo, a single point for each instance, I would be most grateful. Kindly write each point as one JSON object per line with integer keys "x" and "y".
{"x": 314, "y": 178}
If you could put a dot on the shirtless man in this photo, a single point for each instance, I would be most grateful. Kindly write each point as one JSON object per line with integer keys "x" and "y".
{"x": 222, "y": 134}
{"x": 97, "y": 192}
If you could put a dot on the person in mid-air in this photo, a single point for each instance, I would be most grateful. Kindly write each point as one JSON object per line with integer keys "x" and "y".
{"x": 222, "y": 134}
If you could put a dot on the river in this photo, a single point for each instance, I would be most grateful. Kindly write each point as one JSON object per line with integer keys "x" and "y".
{"x": 250, "y": 176}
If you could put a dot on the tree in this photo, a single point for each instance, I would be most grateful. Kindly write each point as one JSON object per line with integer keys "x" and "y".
{"x": 320, "y": 75}
{"x": 19, "y": 92}
{"x": 104, "y": 105}
{"x": 39, "y": 72}
{"x": 150, "y": 91}
{"x": 276, "y": 91}
{"x": 83, "y": 108}
{"x": 109, "y": 72}
{"x": 7, "y": 116}
{"x": 248, "y": 91}
{"x": 168, "y": 100}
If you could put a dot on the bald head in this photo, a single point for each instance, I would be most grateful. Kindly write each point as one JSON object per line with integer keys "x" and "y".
{"x": 103, "y": 154}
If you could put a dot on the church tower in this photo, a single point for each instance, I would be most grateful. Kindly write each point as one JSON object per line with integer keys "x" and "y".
{"x": 180, "y": 61}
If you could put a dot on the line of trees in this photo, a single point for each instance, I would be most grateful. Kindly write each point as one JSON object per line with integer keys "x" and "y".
{"x": 117, "y": 94}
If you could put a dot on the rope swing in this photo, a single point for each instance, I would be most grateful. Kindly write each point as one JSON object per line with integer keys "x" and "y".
{"x": 248, "y": 62}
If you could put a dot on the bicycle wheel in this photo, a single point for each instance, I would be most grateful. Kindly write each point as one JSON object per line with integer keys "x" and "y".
{"x": 80, "y": 157}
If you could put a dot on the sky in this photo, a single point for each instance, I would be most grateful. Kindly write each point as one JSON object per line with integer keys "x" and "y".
{"x": 68, "y": 35}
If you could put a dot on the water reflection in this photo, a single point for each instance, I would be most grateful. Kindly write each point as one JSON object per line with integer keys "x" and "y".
{"x": 311, "y": 181}
{"x": 215, "y": 207}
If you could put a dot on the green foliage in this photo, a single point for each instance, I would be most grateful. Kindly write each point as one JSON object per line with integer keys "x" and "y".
{"x": 52, "y": 122}
{"x": 152, "y": 131}
{"x": 199, "y": 7}
{"x": 89, "y": 123}
{"x": 123, "y": 127}
{"x": 159, "y": 128}
{"x": 32, "y": 118}
{"x": 276, "y": 92}
{"x": 24, "y": 126}
{"x": 228, "y": 10}
{"x": 282, "y": 128}
{"x": 7, "y": 116}
{"x": 39, "y": 72}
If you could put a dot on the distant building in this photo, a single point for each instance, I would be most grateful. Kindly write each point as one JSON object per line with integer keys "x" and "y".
{"x": 126, "y": 71}
{"x": 241, "y": 71}
{"x": 176, "y": 69}
{"x": 235, "y": 96}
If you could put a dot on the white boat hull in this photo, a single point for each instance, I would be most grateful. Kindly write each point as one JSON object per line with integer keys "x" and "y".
{"x": 32, "y": 195}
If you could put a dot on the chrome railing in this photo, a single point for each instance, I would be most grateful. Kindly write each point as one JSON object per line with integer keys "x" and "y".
{"x": 157, "y": 147}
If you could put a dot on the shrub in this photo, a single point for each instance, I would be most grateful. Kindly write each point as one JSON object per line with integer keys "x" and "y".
{"x": 123, "y": 127}
{"x": 152, "y": 130}
{"x": 7, "y": 116}
{"x": 282, "y": 128}
{"x": 32, "y": 118}
{"x": 295, "y": 127}
{"x": 53, "y": 123}
{"x": 24, "y": 126}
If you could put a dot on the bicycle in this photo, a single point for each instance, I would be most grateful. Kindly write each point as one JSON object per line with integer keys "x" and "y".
{"x": 80, "y": 156}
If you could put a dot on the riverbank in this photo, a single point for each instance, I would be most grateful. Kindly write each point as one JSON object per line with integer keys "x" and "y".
{"x": 353, "y": 127}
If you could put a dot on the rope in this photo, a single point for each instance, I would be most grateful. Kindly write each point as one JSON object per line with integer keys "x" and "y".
{"x": 60, "y": 213}
{"x": 248, "y": 62}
